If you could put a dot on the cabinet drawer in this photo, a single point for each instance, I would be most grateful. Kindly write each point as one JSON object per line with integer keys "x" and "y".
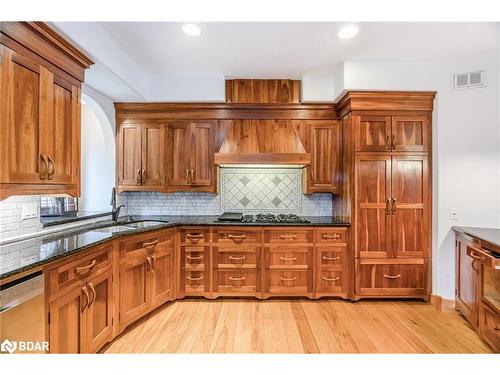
{"x": 77, "y": 272}
{"x": 236, "y": 259}
{"x": 147, "y": 242}
{"x": 332, "y": 256}
{"x": 386, "y": 278}
{"x": 243, "y": 281}
{"x": 489, "y": 326}
{"x": 195, "y": 281}
{"x": 291, "y": 236}
{"x": 195, "y": 235}
{"x": 194, "y": 258}
{"x": 289, "y": 258}
{"x": 283, "y": 282}
{"x": 326, "y": 236}
{"x": 331, "y": 281}
{"x": 236, "y": 236}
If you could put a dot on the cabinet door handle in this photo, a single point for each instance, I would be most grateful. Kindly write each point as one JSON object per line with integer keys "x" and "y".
{"x": 150, "y": 244}
{"x": 388, "y": 206}
{"x": 87, "y": 298}
{"x": 153, "y": 261}
{"x": 393, "y": 206}
{"x": 194, "y": 258}
{"x": 194, "y": 278}
{"x": 394, "y": 142}
{"x": 187, "y": 176}
{"x": 328, "y": 279}
{"x": 43, "y": 173}
{"x": 393, "y": 276}
{"x": 138, "y": 176}
{"x": 285, "y": 236}
{"x": 237, "y": 258}
{"x": 91, "y": 286}
{"x": 284, "y": 259}
{"x": 476, "y": 257}
{"x": 388, "y": 142}
{"x": 236, "y": 237}
{"x": 83, "y": 270}
{"x": 192, "y": 176}
{"x": 149, "y": 266}
{"x": 288, "y": 279}
{"x": 324, "y": 257}
{"x": 335, "y": 236}
{"x": 237, "y": 278}
{"x": 143, "y": 178}
{"x": 51, "y": 169}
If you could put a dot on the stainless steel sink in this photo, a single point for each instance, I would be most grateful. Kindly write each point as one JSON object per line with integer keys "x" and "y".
{"x": 114, "y": 229}
{"x": 145, "y": 224}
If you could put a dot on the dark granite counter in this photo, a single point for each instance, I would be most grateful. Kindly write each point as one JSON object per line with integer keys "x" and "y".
{"x": 20, "y": 256}
{"x": 79, "y": 216}
{"x": 489, "y": 236}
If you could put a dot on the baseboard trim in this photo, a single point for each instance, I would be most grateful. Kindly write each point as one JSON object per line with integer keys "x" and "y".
{"x": 443, "y": 304}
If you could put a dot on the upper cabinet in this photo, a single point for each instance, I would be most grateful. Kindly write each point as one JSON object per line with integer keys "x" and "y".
{"x": 190, "y": 156}
{"x": 40, "y": 79}
{"x": 258, "y": 91}
{"x": 379, "y": 133}
{"x": 140, "y": 157}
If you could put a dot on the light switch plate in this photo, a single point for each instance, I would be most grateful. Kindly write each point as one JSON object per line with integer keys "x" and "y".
{"x": 29, "y": 211}
{"x": 453, "y": 214}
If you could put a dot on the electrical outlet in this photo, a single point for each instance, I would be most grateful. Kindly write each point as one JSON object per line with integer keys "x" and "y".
{"x": 453, "y": 214}
{"x": 29, "y": 211}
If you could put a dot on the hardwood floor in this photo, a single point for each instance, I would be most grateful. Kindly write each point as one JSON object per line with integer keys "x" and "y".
{"x": 298, "y": 326}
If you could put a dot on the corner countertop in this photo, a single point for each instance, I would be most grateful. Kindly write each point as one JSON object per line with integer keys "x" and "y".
{"x": 20, "y": 256}
{"x": 489, "y": 236}
{"x": 80, "y": 215}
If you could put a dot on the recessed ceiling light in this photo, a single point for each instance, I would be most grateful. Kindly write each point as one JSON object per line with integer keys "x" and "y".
{"x": 191, "y": 29}
{"x": 348, "y": 31}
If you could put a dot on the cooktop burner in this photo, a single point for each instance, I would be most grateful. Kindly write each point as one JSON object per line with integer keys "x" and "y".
{"x": 281, "y": 218}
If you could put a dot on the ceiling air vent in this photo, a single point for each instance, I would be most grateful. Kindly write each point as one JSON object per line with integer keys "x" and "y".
{"x": 468, "y": 80}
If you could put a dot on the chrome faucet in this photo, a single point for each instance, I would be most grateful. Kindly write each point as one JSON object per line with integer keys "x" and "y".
{"x": 116, "y": 210}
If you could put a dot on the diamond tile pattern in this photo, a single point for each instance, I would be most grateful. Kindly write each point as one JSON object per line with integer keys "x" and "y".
{"x": 261, "y": 190}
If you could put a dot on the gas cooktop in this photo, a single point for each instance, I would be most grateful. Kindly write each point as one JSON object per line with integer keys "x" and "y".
{"x": 271, "y": 218}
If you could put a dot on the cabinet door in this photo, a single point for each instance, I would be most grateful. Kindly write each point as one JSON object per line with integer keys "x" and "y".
{"x": 134, "y": 289}
{"x": 372, "y": 190}
{"x": 22, "y": 83}
{"x": 129, "y": 155}
{"x": 324, "y": 152}
{"x": 202, "y": 155}
{"x": 153, "y": 151}
{"x": 162, "y": 275}
{"x": 410, "y": 133}
{"x": 67, "y": 321}
{"x": 467, "y": 282}
{"x": 99, "y": 312}
{"x": 410, "y": 206}
{"x": 61, "y": 131}
{"x": 179, "y": 149}
{"x": 372, "y": 133}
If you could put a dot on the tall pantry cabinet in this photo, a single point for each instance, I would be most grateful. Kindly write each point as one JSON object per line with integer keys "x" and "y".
{"x": 386, "y": 191}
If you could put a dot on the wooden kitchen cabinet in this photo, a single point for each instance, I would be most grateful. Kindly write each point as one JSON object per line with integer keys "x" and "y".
{"x": 191, "y": 156}
{"x": 140, "y": 157}
{"x": 466, "y": 283}
{"x": 39, "y": 111}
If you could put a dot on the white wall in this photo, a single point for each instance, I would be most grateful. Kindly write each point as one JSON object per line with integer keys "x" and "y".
{"x": 318, "y": 88}
{"x": 466, "y": 145}
{"x": 98, "y": 151}
{"x": 207, "y": 88}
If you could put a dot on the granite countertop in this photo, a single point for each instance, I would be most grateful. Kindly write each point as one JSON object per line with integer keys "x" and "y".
{"x": 487, "y": 235}
{"x": 20, "y": 256}
{"x": 80, "y": 215}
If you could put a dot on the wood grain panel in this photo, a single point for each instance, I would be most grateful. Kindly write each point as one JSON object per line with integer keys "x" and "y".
{"x": 372, "y": 133}
{"x": 411, "y": 133}
{"x": 129, "y": 155}
{"x": 153, "y": 155}
{"x": 179, "y": 159}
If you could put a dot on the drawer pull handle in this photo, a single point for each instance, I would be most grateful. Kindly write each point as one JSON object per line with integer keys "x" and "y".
{"x": 237, "y": 258}
{"x": 324, "y": 257}
{"x": 87, "y": 298}
{"x": 335, "y": 236}
{"x": 284, "y": 259}
{"x": 194, "y": 278}
{"x": 476, "y": 257}
{"x": 285, "y": 236}
{"x": 85, "y": 269}
{"x": 194, "y": 237}
{"x": 328, "y": 279}
{"x": 194, "y": 258}
{"x": 288, "y": 279}
{"x": 237, "y": 278}
{"x": 393, "y": 276}
{"x": 237, "y": 237}
{"x": 150, "y": 244}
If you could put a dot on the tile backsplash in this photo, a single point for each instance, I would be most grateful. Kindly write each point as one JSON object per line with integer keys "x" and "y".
{"x": 11, "y": 221}
{"x": 247, "y": 190}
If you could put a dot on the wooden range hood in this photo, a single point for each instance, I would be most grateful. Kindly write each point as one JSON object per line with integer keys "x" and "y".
{"x": 262, "y": 142}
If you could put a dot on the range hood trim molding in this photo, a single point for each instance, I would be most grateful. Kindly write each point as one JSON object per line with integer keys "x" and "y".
{"x": 263, "y": 158}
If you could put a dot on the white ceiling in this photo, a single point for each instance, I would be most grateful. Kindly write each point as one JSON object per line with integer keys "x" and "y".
{"x": 290, "y": 50}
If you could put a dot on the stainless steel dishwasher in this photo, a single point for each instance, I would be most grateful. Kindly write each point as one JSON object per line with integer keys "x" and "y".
{"x": 22, "y": 314}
